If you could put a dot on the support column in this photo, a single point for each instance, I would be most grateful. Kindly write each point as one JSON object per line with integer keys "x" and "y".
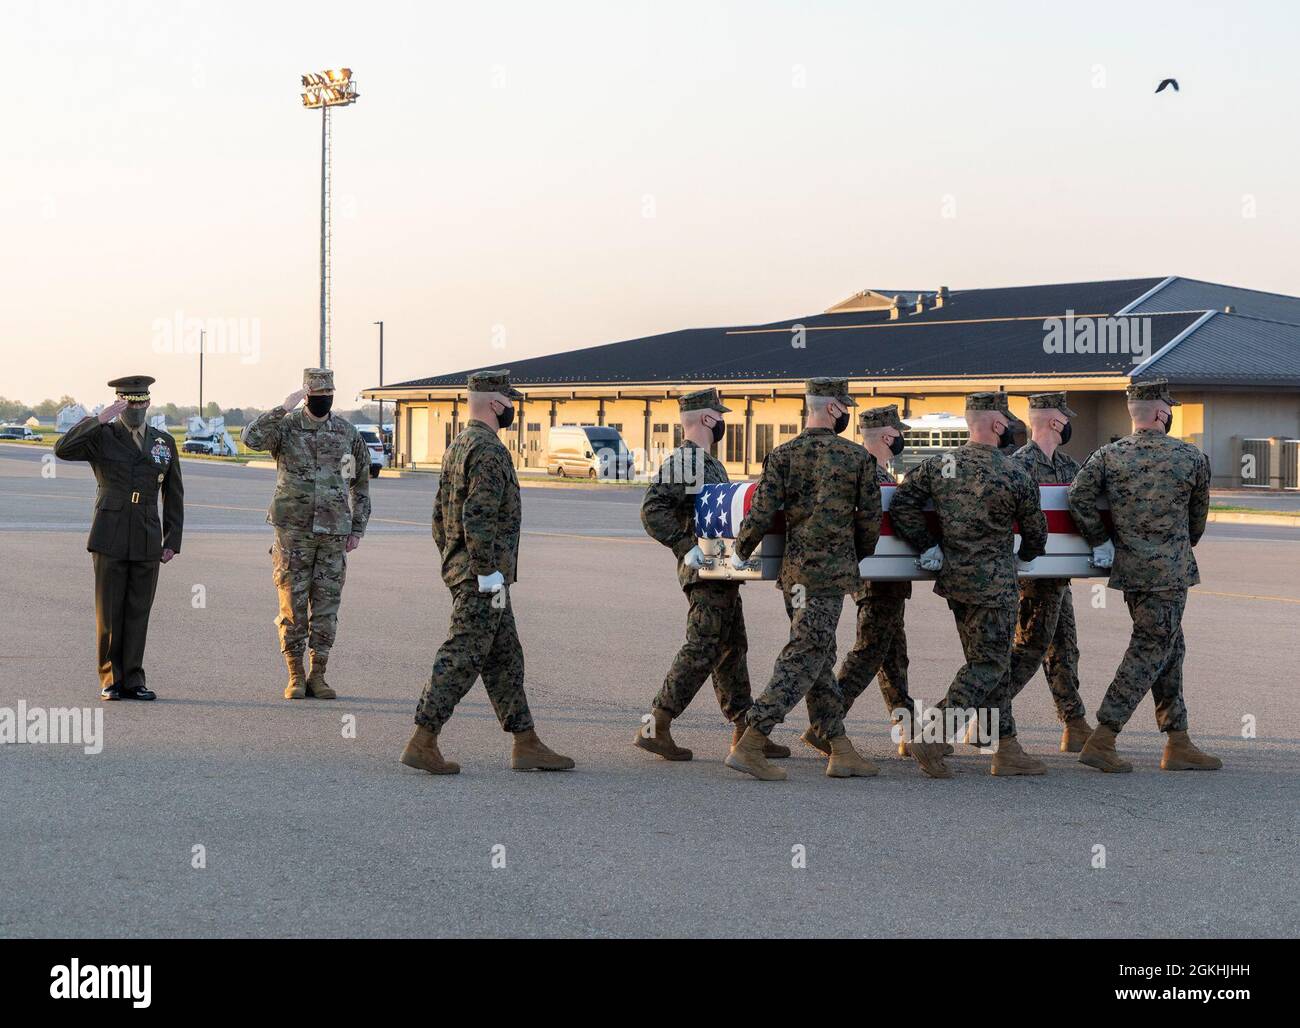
{"x": 646, "y": 438}
{"x": 519, "y": 435}
{"x": 600, "y": 414}
{"x": 749, "y": 431}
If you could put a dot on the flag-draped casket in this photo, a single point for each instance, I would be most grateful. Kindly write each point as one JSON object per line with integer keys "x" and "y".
{"x": 719, "y": 510}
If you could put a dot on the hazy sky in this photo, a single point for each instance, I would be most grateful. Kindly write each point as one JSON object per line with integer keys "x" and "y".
{"x": 524, "y": 178}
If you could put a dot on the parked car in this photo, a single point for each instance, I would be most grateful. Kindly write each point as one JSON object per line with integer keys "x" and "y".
{"x": 208, "y": 446}
{"x": 18, "y": 432}
{"x": 378, "y": 453}
{"x": 588, "y": 451}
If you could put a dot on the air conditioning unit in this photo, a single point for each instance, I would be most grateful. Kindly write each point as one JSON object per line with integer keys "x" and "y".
{"x": 1253, "y": 463}
{"x": 1290, "y": 473}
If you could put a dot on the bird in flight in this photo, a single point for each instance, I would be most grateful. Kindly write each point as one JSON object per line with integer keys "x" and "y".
{"x": 1167, "y": 82}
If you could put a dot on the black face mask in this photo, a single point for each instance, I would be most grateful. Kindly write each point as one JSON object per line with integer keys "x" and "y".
{"x": 719, "y": 429}
{"x": 506, "y": 417}
{"x": 841, "y": 422}
{"x": 1169, "y": 422}
{"x": 897, "y": 445}
{"x": 1006, "y": 438}
{"x": 133, "y": 417}
{"x": 1064, "y": 433}
{"x": 320, "y": 405}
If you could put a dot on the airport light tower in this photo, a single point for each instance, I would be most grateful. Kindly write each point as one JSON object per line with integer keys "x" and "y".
{"x": 326, "y": 89}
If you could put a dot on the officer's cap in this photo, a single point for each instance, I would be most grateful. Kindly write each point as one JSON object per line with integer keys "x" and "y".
{"x": 132, "y": 388}
{"x": 318, "y": 380}
{"x": 1050, "y": 401}
{"x": 497, "y": 381}
{"x": 702, "y": 399}
{"x": 881, "y": 417}
{"x": 835, "y": 388}
{"x": 1156, "y": 389}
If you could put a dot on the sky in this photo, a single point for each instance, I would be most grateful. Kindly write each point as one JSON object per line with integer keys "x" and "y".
{"x": 525, "y": 178}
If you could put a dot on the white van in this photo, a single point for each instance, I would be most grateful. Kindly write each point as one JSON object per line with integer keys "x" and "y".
{"x": 588, "y": 451}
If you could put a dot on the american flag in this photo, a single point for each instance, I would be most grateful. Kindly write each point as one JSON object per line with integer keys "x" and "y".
{"x": 721, "y": 507}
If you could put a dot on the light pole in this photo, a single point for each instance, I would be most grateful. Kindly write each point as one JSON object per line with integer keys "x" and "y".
{"x": 201, "y": 335}
{"x": 381, "y": 379}
{"x": 326, "y": 89}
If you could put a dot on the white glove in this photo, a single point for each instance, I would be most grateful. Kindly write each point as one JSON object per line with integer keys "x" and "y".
{"x": 738, "y": 563}
{"x": 694, "y": 557}
{"x": 1023, "y": 567}
{"x": 932, "y": 559}
{"x": 1103, "y": 556}
{"x": 491, "y": 583}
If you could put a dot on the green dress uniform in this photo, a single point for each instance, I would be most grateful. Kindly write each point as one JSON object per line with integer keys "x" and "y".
{"x": 133, "y": 469}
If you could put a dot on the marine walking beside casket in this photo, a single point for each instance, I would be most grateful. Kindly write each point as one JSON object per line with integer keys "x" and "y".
{"x": 134, "y": 465}
{"x": 825, "y": 486}
{"x": 880, "y": 648}
{"x": 979, "y": 495}
{"x": 715, "y": 619}
{"x": 476, "y": 524}
{"x": 1158, "y": 488}
{"x": 1045, "y": 628}
{"x": 320, "y": 509}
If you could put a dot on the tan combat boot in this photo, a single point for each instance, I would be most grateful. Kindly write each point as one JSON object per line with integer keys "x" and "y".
{"x": 1099, "y": 752}
{"x": 930, "y": 756}
{"x": 771, "y": 750}
{"x": 946, "y": 748}
{"x": 529, "y": 753}
{"x": 317, "y": 687}
{"x": 1181, "y": 754}
{"x": 1075, "y": 734}
{"x": 422, "y": 753}
{"x": 847, "y": 762}
{"x": 297, "y": 687}
{"x": 811, "y": 739}
{"x": 747, "y": 756}
{"x": 1010, "y": 759}
{"x": 660, "y": 741}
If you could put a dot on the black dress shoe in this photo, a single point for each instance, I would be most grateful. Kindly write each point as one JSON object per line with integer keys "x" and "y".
{"x": 138, "y": 692}
{"x": 110, "y": 692}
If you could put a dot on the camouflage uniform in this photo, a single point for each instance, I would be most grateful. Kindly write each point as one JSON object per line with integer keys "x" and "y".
{"x": 1159, "y": 493}
{"x": 322, "y": 495}
{"x": 825, "y": 485}
{"x": 978, "y": 501}
{"x": 1045, "y": 629}
{"x": 476, "y": 529}
{"x": 715, "y": 621}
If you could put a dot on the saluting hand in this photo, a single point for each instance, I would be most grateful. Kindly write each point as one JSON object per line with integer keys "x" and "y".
{"x": 293, "y": 399}
{"x": 111, "y": 411}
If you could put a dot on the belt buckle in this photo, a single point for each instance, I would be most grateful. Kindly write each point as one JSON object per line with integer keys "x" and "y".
{"x": 135, "y": 497}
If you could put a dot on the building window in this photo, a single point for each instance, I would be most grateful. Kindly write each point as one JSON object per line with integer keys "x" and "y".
{"x": 789, "y": 429}
{"x": 762, "y": 442}
{"x": 661, "y": 429}
{"x": 617, "y": 426}
{"x": 447, "y": 441}
{"x": 735, "y": 444}
{"x": 677, "y": 436}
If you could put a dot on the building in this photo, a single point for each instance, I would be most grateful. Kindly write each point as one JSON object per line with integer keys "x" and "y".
{"x": 1232, "y": 355}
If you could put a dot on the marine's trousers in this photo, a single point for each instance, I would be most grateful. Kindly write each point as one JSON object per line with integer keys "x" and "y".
{"x": 124, "y": 591}
{"x": 482, "y": 640}
{"x": 1046, "y": 637}
{"x": 879, "y": 649}
{"x": 309, "y": 571}
{"x": 1152, "y": 663}
{"x": 804, "y": 667}
{"x": 986, "y": 634}
{"x": 715, "y": 645}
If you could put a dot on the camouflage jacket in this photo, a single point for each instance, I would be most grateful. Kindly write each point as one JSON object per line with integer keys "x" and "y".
{"x": 1059, "y": 468}
{"x": 668, "y": 509}
{"x": 476, "y": 512}
{"x": 319, "y": 466}
{"x": 883, "y": 590}
{"x": 826, "y": 487}
{"x": 979, "y": 494}
{"x": 1159, "y": 493}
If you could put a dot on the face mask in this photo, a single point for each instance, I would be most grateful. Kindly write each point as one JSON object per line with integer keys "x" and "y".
{"x": 719, "y": 429}
{"x": 1006, "y": 438}
{"x": 133, "y": 417}
{"x": 897, "y": 445}
{"x": 506, "y": 417}
{"x": 1064, "y": 432}
{"x": 320, "y": 405}
{"x": 841, "y": 422}
{"x": 1169, "y": 422}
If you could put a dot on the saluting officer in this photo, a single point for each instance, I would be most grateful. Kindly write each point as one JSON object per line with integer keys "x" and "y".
{"x": 319, "y": 510}
{"x": 978, "y": 494}
{"x": 476, "y": 530}
{"x": 715, "y": 620}
{"x": 881, "y": 645}
{"x": 1159, "y": 493}
{"x": 134, "y": 464}
{"x": 1045, "y": 630}
{"x": 826, "y": 487}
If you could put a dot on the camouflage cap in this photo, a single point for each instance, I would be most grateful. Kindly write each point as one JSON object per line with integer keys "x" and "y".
{"x": 1156, "y": 389}
{"x": 318, "y": 380}
{"x": 1050, "y": 401}
{"x": 132, "y": 388}
{"x": 494, "y": 381}
{"x": 702, "y": 399}
{"x": 989, "y": 401}
{"x": 835, "y": 388}
{"x": 881, "y": 417}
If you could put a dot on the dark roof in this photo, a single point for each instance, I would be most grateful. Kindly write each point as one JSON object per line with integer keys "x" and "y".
{"x": 1190, "y": 294}
{"x": 977, "y": 333}
{"x": 1233, "y": 349}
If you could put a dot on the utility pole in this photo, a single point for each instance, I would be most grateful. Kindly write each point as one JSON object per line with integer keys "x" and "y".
{"x": 201, "y": 336}
{"x": 381, "y": 378}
